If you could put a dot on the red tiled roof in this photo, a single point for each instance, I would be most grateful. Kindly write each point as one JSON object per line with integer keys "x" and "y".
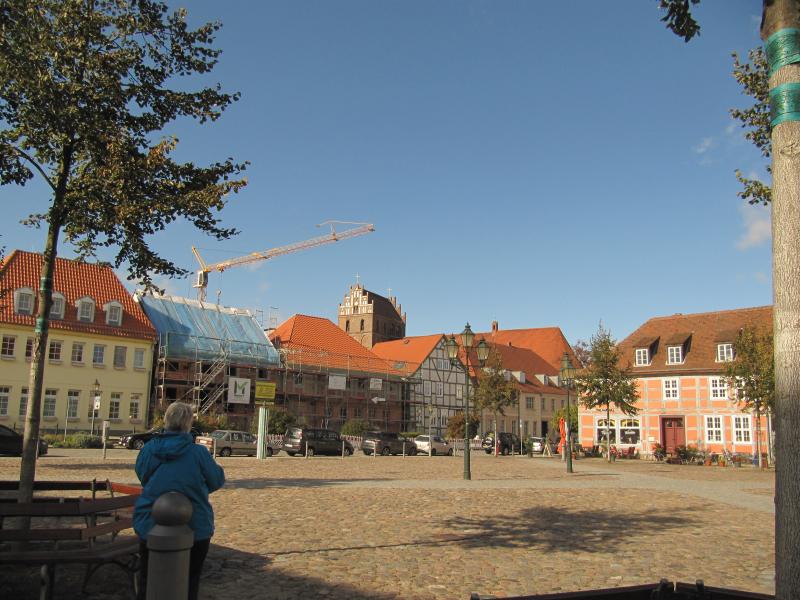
{"x": 411, "y": 351}
{"x": 74, "y": 280}
{"x": 318, "y": 341}
{"x": 548, "y": 342}
{"x": 706, "y": 331}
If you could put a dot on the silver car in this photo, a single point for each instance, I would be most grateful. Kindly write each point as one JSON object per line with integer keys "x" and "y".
{"x": 433, "y": 445}
{"x": 232, "y": 442}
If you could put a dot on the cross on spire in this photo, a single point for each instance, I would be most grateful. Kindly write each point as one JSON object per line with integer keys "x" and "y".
{"x": 357, "y": 277}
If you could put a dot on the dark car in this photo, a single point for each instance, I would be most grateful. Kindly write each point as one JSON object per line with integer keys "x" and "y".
{"x": 135, "y": 441}
{"x": 507, "y": 443}
{"x": 386, "y": 443}
{"x": 302, "y": 440}
{"x": 11, "y": 442}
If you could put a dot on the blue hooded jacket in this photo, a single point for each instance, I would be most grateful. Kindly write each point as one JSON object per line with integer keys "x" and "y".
{"x": 172, "y": 462}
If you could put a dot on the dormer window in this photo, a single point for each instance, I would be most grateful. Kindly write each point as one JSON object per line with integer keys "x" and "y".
{"x": 113, "y": 313}
{"x": 642, "y": 357}
{"x": 674, "y": 355}
{"x": 57, "y": 307}
{"x": 23, "y": 301}
{"x": 724, "y": 352}
{"x": 85, "y": 308}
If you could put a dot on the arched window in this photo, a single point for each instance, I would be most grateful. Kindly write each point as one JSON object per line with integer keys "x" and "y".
{"x": 362, "y": 325}
{"x": 23, "y": 301}
{"x": 113, "y": 313}
{"x": 347, "y": 325}
{"x": 85, "y": 308}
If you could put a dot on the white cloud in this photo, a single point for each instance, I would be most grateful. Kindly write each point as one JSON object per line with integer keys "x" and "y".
{"x": 704, "y": 146}
{"x": 757, "y": 226}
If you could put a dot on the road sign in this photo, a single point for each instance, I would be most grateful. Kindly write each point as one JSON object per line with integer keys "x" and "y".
{"x": 265, "y": 390}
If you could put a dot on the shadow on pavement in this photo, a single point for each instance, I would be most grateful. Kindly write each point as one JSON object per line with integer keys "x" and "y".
{"x": 566, "y": 530}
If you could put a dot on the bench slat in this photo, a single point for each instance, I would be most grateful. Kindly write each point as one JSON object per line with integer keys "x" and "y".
{"x": 87, "y": 507}
{"x": 24, "y": 535}
{"x": 41, "y": 509}
{"x": 55, "y": 485}
{"x": 104, "y": 528}
{"x": 122, "y": 546}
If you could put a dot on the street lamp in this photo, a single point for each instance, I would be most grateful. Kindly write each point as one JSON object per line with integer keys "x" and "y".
{"x": 96, "y": 399}
{"x": 482, "y": 350}
{"x": 567, "y": 375}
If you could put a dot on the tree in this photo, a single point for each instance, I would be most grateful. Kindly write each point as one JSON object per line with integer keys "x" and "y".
{"x": 354, "y": 427}
{"x": 455, "y": 426}
{"x": 561, "y": 413}
{"x": 495, "y": 390}
{"x": 86, "y": 88}
{"x": 751, "y": 374}
{"x": 582, "y": 353}
{"x": 280, "y": 420}
{"x": 780, "y": 20}
{"x": 604, "y": 383}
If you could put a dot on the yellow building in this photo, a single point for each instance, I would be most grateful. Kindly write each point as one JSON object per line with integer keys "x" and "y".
{"x": 100, "y": 347}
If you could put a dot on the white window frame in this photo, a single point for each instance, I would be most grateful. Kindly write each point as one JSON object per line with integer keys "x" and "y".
{"x": 123, "y": 351}
{"x": 108, "y": 310}
{"x": 671, "y": 352}
{"x": 439, "y": 389}
{"x": 80, "y": 304}
{"x": 725, "y": 352}
{"x": 102, "y": 348}
{"x": 23, "y": 402}
{"x": 5, "y": 393}
{"x": 52, "y": 345}
{"x": 78, "y": 346}
{"x": 73, "y": 403}
{"x": 642, "y": 357}
{"x": 459, "y": 392}
{"x": 740, "y": 431}
{"x": 138, "y": 358}
{"x": 133, "y": 407}
{"x": 718, "y": 388}
{"x": 49, "y": 404}
{"x": 715, "y": 425}
{"x": 426, "y": 388}
{"x": 57, "y": 306}
{"x": 9, "y": 342}
{"x": 672, "y": 388}
{"x": 114, "y": 405}
{"x": 629, "y": 423}
{"x": 24, "y": 293}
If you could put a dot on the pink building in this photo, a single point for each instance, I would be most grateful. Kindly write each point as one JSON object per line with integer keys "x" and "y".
{"x": 679, "y": 363}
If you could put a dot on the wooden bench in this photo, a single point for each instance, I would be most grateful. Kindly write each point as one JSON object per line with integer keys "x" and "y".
{"x": 87, "y": 530}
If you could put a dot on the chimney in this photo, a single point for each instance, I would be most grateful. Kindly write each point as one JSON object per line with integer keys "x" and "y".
{"x": 495, "y": 327}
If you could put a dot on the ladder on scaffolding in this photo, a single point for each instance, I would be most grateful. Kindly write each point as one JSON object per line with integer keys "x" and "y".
{"x": 205, "y": 378}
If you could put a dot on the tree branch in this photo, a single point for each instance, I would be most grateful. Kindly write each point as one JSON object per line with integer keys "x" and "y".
{"x": 27, "y": 157}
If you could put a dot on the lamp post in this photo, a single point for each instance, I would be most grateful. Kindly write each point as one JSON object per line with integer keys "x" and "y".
{"x": 567, "y": 374}
{"x": 96, "y": 398}
{"x": 482, "y": 350}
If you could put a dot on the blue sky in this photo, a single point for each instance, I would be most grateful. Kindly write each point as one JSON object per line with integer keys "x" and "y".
{"x": 537, "y": 163}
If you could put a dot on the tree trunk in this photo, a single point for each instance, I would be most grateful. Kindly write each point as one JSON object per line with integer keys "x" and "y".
{"x": 758, "y": 438}
{"x": 608, "y": 432}
{"x": 781, "y": 14}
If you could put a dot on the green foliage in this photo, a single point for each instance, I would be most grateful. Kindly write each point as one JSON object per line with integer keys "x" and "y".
{"x": 354, "y": 427}
{"x": 561, "y": 413}
{"x": 494, "y": 391}
{"x": 604, "y": 384}
{"x": 751, "y": 373}
{"x": 409, "y": 434}
{"x": 86, "y": 87}
{"x": 687, "y": 453}
{"x": 659, "y": 452}
{"x": 455, "y": 426}
{"x": 77, "y": 440}
{"x": 679, "y": 18}
{"x": 208, "y": 423}
{"x": 280, "y": 420}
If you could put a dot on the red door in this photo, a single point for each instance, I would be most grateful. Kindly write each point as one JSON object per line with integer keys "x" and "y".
{"x": 672, "y": 433}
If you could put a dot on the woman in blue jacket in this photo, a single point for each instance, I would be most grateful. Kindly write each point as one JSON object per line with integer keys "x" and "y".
{"x": 171, "y": 462}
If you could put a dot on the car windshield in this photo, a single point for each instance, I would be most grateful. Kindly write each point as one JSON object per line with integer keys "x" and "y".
{"x": 293, "y": 432}
{"x": 219, "y": 434}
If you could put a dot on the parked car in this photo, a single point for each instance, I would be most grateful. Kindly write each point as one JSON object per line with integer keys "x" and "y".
{"x": 318, "y": 441}
{"x": 11, "y": 442}
{"x": 230, "y": 442}
{"x": 537, "y": 444}
{"x": 432, "y": 445}
{"x": 387, "y": 443}
{"x": 136, "y": 441}
{"x": 506, "y": 444}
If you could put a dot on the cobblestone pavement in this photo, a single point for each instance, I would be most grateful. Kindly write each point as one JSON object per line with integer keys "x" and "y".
{"x": 392, "y": 527}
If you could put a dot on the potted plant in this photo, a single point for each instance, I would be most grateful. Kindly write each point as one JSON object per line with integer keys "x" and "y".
{"x": 659, "y": 452}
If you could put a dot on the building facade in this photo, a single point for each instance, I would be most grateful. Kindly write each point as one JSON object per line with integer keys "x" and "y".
{"x": 100, "y": 347}
{"x": 679, "y": 363}
{"x": 370, "y": 318}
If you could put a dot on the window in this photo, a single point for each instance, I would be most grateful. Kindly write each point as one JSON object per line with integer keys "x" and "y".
{"x": 629, "y": 431}
{"x": 347, "y": 325}
{"x": 719, "y": 388}
{"x": 298, "y": 379}
{"x": 362, "y": 325}
{"x": 553, "y": 404}
{"x": 4, "y": 392}
{"x": 119, "y": 356}
{"x": 328, "y": 411}
{"x": 113, "y": 313}
{"x": 671, "y": 388}
{"x": 85, "y": 310}
{"x": 357, "y": 412}
{"x": 642, "y": 357}
{"x": 138, "y": 358}
{"x": 741, "y": 429}
{"x": 528, "y": 402}
{"x": 713, "y": 429}
{"x": 443, "y": 364}
{"x": 98, "y": 354}
{"x": 674, "y": 355}
{"x": 371, "y": 412}
{"x": 724, "y": 352}
{"x": 459, "y": 392}
{"x": 77, "y": 352}
{"x": 49, "y": 404}
{"x": 9, "y": 343}
{"x": 57, "y": 307}
{"x": 602, "y": 431}
{"x": 113, "y": 406}
{"x": 342, "y": 412}
{"x": 133, "y": 407}
{"x": 23, "y": 402}
{"x": 23, "y": 301}
{"x": 426, "y": 388}
{"x": 54, "y": 353}
{"x": 541, "y": 403}
{"x": 29, "y": 348}
{"x": 439, "y": 389}
{"x": 73, "y": 398}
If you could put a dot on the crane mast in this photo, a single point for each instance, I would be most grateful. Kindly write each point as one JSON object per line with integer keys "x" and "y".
{"x": 201, "y": 283}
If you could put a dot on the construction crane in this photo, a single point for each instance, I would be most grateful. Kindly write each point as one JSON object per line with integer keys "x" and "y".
{"x": 334, "y": 236}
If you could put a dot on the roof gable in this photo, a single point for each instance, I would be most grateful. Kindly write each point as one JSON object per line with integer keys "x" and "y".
{"x": 548, "y": 343}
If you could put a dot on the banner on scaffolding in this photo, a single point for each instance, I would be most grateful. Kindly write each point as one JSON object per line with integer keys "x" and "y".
{"x": 238, "y": 390}
{"x": 337, "y": 382}
{"x": 375, "y": 383}
{"x": 265, "y": 390}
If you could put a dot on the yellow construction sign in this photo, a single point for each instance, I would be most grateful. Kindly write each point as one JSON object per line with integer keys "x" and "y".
{"x": 265, "y": 390}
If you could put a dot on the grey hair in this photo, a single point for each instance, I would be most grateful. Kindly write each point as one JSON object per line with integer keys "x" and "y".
{"x": 178, "y": 417}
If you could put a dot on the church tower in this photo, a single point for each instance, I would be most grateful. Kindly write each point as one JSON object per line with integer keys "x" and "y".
{"x": 370, "y": 318}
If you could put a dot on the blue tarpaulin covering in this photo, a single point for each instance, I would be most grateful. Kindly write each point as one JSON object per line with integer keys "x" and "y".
{"x": 193, "y": 330}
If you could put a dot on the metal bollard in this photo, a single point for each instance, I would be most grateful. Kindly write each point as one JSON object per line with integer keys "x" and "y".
{"x": 342, "y": 449}
{"x": 169, "y": 546}
{"x": 404, "y": 448}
